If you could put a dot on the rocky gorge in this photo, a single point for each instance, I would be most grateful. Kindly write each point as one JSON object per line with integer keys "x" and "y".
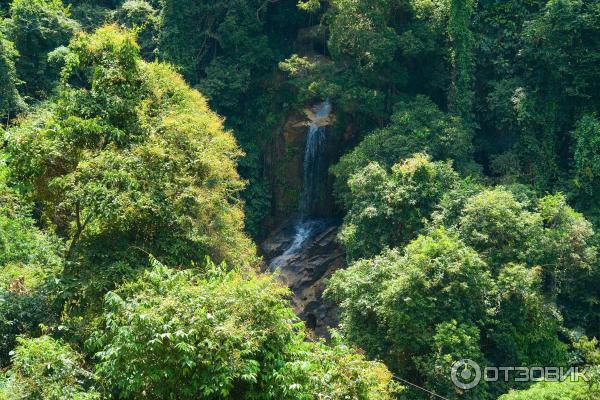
{"x": 303, "y": 249}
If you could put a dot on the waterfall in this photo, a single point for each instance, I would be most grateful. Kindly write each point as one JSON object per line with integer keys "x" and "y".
{"x": 314, "y": 169}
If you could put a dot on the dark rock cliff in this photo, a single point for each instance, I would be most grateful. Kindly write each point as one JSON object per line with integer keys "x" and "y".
{"x": 306, "y": 271}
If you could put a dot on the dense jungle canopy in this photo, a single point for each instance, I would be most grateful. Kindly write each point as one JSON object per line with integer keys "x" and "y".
{"x": 147, "y": 147}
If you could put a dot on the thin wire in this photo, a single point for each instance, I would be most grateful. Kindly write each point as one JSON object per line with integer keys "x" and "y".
{"x": 419, "y": 387}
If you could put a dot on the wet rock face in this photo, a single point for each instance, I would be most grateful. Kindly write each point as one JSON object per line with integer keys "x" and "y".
{"x": 303, "y": 247}
{"x": 306, "y": 271}
{"x": 284, "y": 163}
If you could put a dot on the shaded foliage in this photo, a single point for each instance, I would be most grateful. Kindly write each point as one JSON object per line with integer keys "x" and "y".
{"x": 37, "y": 28}
{"x": 28, "y": 257}
{"x": 10, "y": 99}
{"x": 416, "y": 126}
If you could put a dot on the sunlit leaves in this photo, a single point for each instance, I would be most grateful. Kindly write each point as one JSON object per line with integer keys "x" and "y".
{"x": 226, "y": 336}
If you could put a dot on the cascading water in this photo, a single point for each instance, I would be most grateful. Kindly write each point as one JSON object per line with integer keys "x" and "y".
{"x": 314, "y": 161}
{"x": 314, "y": 169}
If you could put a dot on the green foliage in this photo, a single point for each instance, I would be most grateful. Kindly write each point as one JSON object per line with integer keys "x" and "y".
{"x": 46, "y": 369}
{"x": 541, "y": 84}
{"x": 416, "y": 126}
{"x": 495, "y": 224}
{"x": 506, "y": 229}
{"x": 451, "y": 204}
{"x": 27, "y": 258}
{"x": 122, "y": 138}
{"x": 549, "y": 42}
{"x": 574, "y": 387}
{"x": 257, "y": 195}
{"x": 388, "y": 210}
{"x": 568, "y": 253}
{"x": 224, "y": 336}
{"x": 217, "y": 45}
{"x": 382, "y": 52}
{"x": 437, "y": 302}
{"x": 396, "y": 306}
{"x": 589, "y": 352}
{"x": 297, "y": 66}
{"x": 359, "y": 33}
{"x": 566, "y": 390}
{"x": 526, "y": 257}
{"x": 10, "y": 100}
{"x": 586, "y": 169}
{"x": 461, "y": 57}
{"x": 524, "y": 328}
{"x": 212, "y": 338}
{"x": 91, "y": 14}
{"x": 452, "y": 341}
{"x": 126, "y": 161}
{"x": 37, "y": 27}
{"x": 21, "y": 242}
{"x": 309, "y": 5}
{"x": 142, "y": 17}
{"x": 338, "y": 372}
{"x": 223, "y": 49}
{"x": 565, "y": 30}
{"x": 23, "y": 313}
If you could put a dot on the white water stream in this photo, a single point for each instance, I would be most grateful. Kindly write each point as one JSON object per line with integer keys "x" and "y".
{"x": 314, "y": 170}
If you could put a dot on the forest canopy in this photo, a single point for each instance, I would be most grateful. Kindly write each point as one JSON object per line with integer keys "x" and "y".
{"x": 149, "y": 149}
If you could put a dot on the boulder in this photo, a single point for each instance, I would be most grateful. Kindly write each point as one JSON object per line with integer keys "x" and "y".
{"x": 306, "y": 271}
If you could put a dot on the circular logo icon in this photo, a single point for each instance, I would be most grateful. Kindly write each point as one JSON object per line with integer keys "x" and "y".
{"x": 466, "y": 374}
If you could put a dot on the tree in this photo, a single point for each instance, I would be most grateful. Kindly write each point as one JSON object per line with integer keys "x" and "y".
{"x": 416, "y": 126}
{"x": 460, "y": 97}
{"x": 38, "y": 27}
{"x": 10, "y": 100}
{"x": 566, "y": 390}
{"x": 47, "y": 369}
{"x": 452, "y": 341}
{"x": 562, "y": 41}
{"x": 387, "y": 210}
{"x": 360, "y": 34}
{"x": 561, "y": 46}
{"x": 578, "y": 386}
{"x": 397, "y": 306}
{"x": 586, "y": 165}
{"x": 439, "y": 301}
{"x": 218, "y": 46}
{"x": 226, "y": 335}
{"x": 228, "y": 50}
{"x": 497, "y": 225}
{"x": 506, "y": 226}
{"x": 141, "y": 16}
{"x": 28, "y": 257}
{"x": 534, "y": 80}
{"x": 568, "y": 254}
{"x": 524, "y": 328}
{"x": 128, "y": 160}
{"x": 4, "y": 6}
